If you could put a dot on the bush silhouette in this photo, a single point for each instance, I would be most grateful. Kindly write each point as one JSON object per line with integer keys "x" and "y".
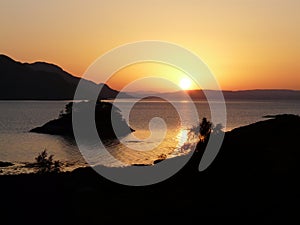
{"x": 203, "y": 130}
{"x": 45, "y": 163}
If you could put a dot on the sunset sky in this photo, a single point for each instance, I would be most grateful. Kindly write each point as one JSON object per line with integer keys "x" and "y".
{"x": 248, "y": 44}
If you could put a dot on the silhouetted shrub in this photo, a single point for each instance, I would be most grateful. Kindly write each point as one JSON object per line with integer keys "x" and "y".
{"x": 202, "y": 134}
{"x": 45, "y": 163}
{"x": 67, "y": 110}
{"x": 203, "y": 130}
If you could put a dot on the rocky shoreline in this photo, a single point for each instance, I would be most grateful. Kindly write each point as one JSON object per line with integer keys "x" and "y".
{"x": 253, "y": 180}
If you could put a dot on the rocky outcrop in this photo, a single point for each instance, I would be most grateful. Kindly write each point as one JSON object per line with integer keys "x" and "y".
{"x": 103, "y": 113}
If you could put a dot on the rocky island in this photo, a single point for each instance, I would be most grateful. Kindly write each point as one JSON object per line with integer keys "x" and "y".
{"x": 104, "y": 111}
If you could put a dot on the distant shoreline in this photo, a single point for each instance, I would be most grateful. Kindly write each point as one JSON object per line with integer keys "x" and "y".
{"x": 154, "y": 98}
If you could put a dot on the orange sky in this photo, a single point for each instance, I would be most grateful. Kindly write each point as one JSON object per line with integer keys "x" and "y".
{"x": 247, "y": 44}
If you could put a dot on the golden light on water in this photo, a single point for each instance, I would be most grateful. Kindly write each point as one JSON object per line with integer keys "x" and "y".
{"x": 182, "y": 137}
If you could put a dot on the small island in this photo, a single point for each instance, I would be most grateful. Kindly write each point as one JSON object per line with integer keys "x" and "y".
{"x": 104, "y": 111}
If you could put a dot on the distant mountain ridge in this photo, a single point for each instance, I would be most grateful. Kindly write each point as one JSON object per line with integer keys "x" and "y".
{"x": 263, "y": 94}
{"x": 43, "y": 81}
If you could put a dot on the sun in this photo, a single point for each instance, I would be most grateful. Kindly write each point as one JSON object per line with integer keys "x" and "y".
{"x": 185, "y": 83}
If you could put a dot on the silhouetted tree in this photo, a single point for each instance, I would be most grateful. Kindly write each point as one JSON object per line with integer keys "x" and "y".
{"x": 202, "y": 131}
{"x": 67, "y": 110}
{"x": 46, "y": 164}
{"x": 205, "y": 129}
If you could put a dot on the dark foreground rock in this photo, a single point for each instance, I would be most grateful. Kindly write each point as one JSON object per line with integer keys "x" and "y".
{"x": 253, "y": 180}
{"x": 5, "y": 164}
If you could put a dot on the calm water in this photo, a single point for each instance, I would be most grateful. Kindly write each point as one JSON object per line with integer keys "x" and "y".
{"x": 18, "y": 117}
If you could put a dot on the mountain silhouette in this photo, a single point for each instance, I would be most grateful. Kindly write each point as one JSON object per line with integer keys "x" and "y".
{"x": 43, "y": 81}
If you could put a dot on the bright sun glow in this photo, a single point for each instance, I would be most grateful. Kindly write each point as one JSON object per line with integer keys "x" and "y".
{"x": 185, "y": 83}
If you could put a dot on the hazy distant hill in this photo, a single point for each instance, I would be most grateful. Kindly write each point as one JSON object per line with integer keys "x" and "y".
{"x": 42, "y": 81}
{"x": 228, "y": 95}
